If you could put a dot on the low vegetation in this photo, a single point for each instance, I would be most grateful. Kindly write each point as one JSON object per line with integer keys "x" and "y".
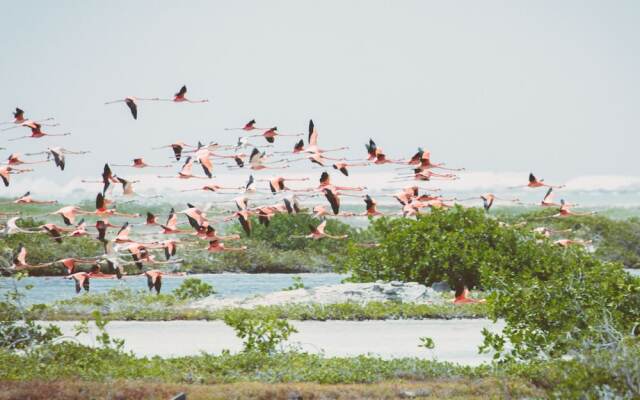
{"x": 127, "y": 304}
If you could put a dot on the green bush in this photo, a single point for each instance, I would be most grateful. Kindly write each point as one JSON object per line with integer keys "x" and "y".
{"x": 444, "y": 245}
{"x": 552, "y": 299}
{"x": 261, "y": 334}
{"x": 193, "y": 289}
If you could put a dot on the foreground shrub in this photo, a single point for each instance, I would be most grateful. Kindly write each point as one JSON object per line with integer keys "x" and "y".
{"x": 193, "y": 289}
{"x": 555, "y": 300}
{"x": 259, "y": 333}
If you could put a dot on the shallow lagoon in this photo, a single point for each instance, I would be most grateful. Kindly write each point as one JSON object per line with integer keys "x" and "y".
{"x": 50, "y": 289}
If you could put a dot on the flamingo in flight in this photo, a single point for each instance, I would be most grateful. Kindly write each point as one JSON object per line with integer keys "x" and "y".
{"x": 216, "y": 246}
{"x": 7, "y": 171}
{"x": 371, "y": 210}
{"x": 15, "y": 159}
{"x": 547, "y": 201}
{"x": 81, "y": 280}
{"x": 177, "y": 147}
{"x": 19, "y": 118}
{"x": 342, "y": 166}
{"x": 180, "y": 97}
{"x": 36, "y": 132}
{"x": 248, "y": 127}
{"x": 565, "y": 210}
{"x": 212, "y": 187}
{"x": 58, "y": 154}
{"x": 130, "y": 102}
{"x": 27, "y": 199}
{"x": 271, "y": 133}
{"x": 257, "y": 161}
{"x": 318, "y": 232}
{"x": 535, "y": 183}
{"x": 487, "y": 200}
{"x": 276, "y": 184}
{"x": 140, "y": 163}
{"x": 107, "y": 178}
{"x": 313, "y": 143}
{"x": 186, "y": 172}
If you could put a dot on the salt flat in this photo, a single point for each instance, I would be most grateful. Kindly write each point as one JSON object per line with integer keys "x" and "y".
{"x": 455, "y": 340}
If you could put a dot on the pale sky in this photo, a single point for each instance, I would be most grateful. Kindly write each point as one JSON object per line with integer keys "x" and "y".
{"x": 501, "y": 86}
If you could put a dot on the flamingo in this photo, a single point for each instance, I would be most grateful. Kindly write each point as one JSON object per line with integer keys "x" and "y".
{"x": 20, "y": 257}
{"x": 197, "y": 218}
{"x": 276, "y": 184}
{"x": 313, "y": 142}
{"x": 154, "y": 280}
{"x": 14, "y": 159}
{"x": 18, "y": 118}
{"x": 371, "y": 211}
{"x": 36, "y": 132}
{"x": 216, "y": 246}
{"x": 180, "y": 97}
{"x": 320, "y": 211}
{"x": 29, "y": 124}
{"x": 170, "y": 247}
{"x": 107, "y": 178}
{"x": 127, "y": 186}
{"x": 27, "y": 199}
{"x": 80, "y": 230}
{"x": 171, "y": 226}
{"x": 7, "y": 171}
{"x": 342, "y": 166}
{"x": 249, "y": 126}
{"x": 123, "y": 234}
{"x": 151, "y": 219}
{"x": 535, "y": 183}
{"x": 212, "y": 187}
{"x": 71, "y": 263}
{"x": 58, "y": 155}
{"x": 547, "y": 201}
{"x": 140, "y": 163}
{"x": 177, "y": 148}
{"x": 318, "y": 232}
{"x": 292, "y": 205}
{"x": 186, "y": 172}
{"x": 257, "y": 161}
{"x": 325, "y": 182}
{"x": 565, "y": 210}
{"x": 55, "y": 231}
{"x": 462, "y": 296}
{"x": 487, "y": 200}
{"x": 271, "y": 133}
{"x": 81, "y": 279}
{"x": 243, "y": 216}
{"x": 131, "y": 103}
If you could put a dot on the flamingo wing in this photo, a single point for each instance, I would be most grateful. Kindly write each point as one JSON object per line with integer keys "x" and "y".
{"x": 133, "y": 107}
{"x": 313, "y": 134}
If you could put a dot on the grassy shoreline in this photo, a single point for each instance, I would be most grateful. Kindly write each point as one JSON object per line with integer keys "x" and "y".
{"x": 348, "y": 311}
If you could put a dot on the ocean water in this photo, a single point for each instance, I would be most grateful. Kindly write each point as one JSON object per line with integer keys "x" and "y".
{"x": 49, "y": 289}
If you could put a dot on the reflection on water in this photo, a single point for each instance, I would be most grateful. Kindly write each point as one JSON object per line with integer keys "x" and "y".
{"x": 50, "y": 289}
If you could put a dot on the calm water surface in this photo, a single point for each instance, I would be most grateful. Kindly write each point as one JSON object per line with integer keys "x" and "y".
{"x": 50, "y": 289}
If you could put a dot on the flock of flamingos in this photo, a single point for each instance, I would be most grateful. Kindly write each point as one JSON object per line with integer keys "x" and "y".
{"x": 419, "y": 169}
